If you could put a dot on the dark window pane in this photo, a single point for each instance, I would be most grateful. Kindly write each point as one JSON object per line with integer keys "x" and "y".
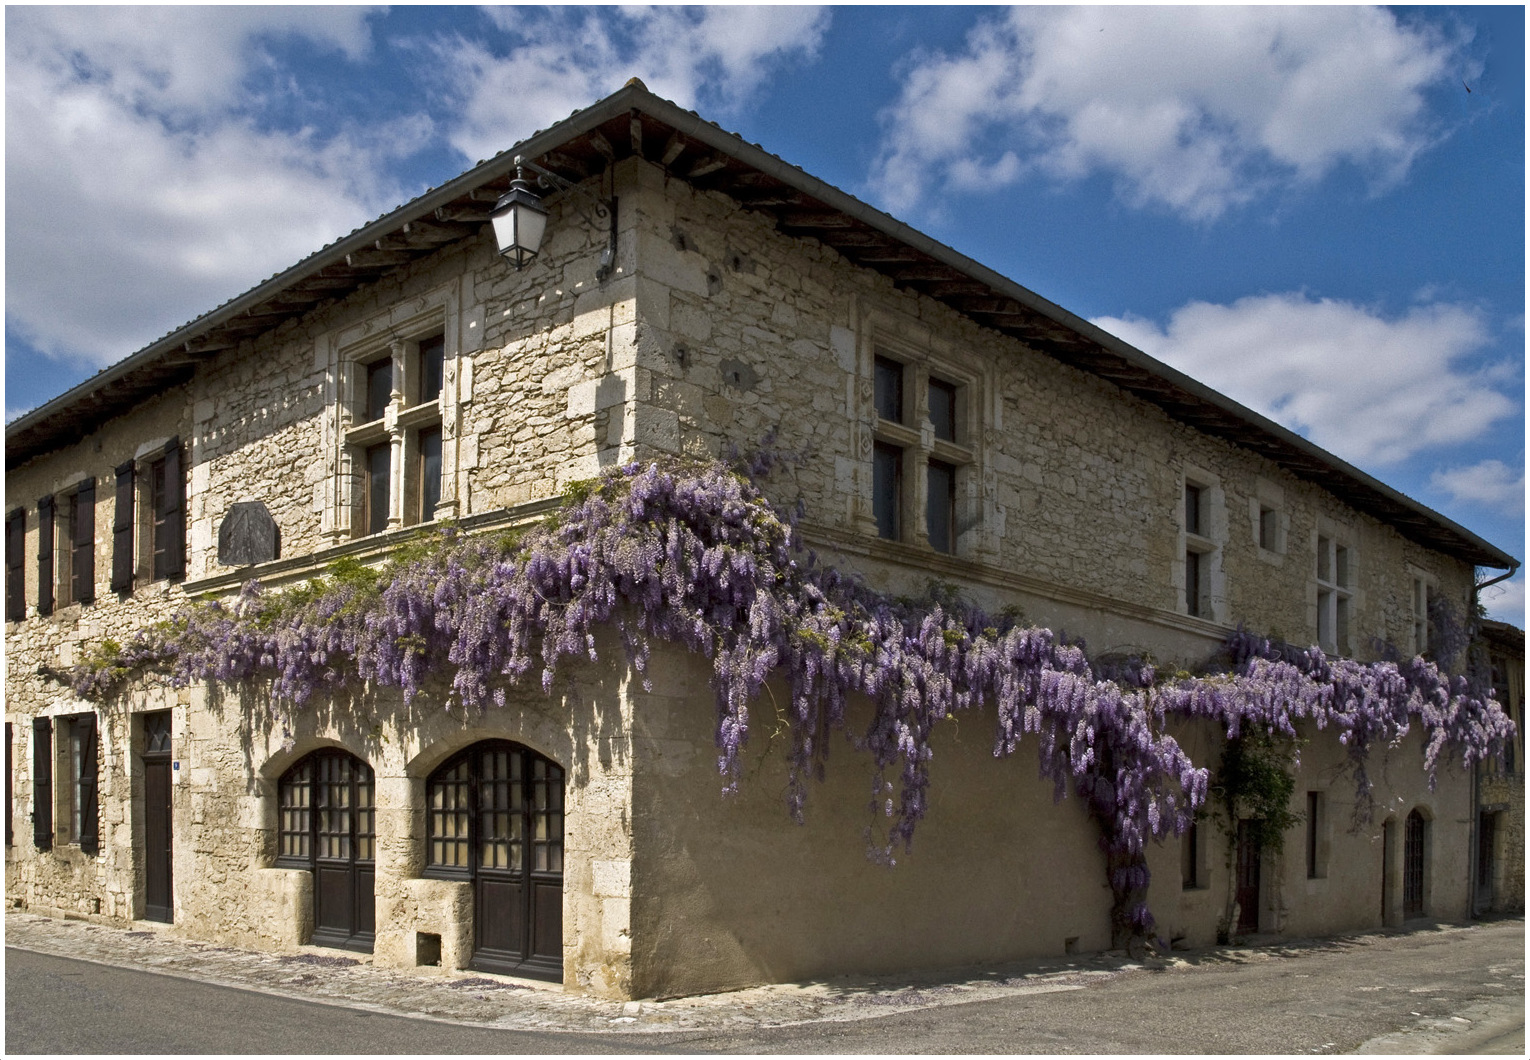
{"x": 943, "y": 409}
{"x": 941, "y": 510}
{"x": 430, "y": 473}
{"x": 379, "y": 468}
{"x": 1192, "y": 509}
{"x": 887, "y": 490}
{"x": 432, "y": 360}
{"x": 1192, "y": 583}
{"x": 1269, "y": 521}
{"x": 889, "y": 390}
{"x": 379, "y": 389}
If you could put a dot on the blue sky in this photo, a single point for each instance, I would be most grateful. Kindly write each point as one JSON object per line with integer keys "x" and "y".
{"x": 1317, "y": 210}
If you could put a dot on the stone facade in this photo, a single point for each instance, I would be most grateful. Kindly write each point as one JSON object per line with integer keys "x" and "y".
{"x": 715, "y": 328}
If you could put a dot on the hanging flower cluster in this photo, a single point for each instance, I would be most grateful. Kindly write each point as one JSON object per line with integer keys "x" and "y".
{"x": 697, "y": 556}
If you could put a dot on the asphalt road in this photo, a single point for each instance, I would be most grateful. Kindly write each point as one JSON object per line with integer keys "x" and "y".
{"x": 1440, "y": 991}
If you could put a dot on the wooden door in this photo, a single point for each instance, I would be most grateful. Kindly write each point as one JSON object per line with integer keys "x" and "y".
{"x": 1487, "y": 840}
{"x": 1248, "y": 878}
{"x": 1413, "y": 865}
{"x": 327, "y": 825}
{"x": 499, "y": 891}
{"x": 158, "y": 879}
{"x": 516, "y": 810}
{"x": 344, "y": 865}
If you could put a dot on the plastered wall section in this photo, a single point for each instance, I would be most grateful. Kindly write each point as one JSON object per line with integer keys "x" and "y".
{"x": 1355, "y": 877}
{"x": 729, "y": 892}
{"x": 1070, "y": 499}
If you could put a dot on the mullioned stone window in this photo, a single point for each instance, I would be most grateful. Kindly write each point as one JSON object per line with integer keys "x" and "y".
{"x": 925, "y": 457}
{"x": 1198, "y": 575}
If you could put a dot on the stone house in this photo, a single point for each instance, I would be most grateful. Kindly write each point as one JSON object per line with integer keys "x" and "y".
{"x": 957, "y": 427}
{"x": 1501, "y": 785}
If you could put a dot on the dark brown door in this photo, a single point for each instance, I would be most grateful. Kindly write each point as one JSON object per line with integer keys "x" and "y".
{"x": 1413, "y": 866}
{"x": 328, "y": 826}
{"x": 1487, "y": 836}
{"x": 504, "y": 803}
{"x": 157, "y": 878}
{"x": 1248, "y": 878}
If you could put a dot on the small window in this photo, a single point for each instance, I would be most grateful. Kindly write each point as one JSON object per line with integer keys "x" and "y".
{"x": 943, "y": 409}
{"x": 1193, "y": 521}
{"x": 77, "y": 808}
{"x": 1269, "y": 528}
{"x": 10, "y": 838}
{"x": 940, "y": 507}
{"x": 1334, "y": 576}
{"x": 1195, "y": 604}
{"x": 1315, "y": 827}
{"x": 889, "y": 390}
{"x": 431, "y": 354}
{"x": 429, "y": 473}
{"x": 1420, "y": 616}
{"x": 1190, "y": 858}
{"x": 379, "y": 389}
{"x": 887, "y": 490}
{"x": 379, "y": 460}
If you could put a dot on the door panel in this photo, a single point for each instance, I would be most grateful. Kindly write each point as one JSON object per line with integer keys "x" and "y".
{"x": 157, "y": 884}
{"x": 1248, "y": 878}
{"x": 509, "y": 800}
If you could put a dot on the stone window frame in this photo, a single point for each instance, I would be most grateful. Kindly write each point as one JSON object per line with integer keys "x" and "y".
{"x": 1334, "y": 601}
{"x": 1422, "y": 587}
{"x": 1206, "y": 542}
{"x": 76, "y": 774}
{"x": 144, "y": 549}
{"x": 914, "y": 437}
{"x": 1270, "y": 521}
{"x": 396, "y": 334}
{"x": 1316, "y": 835}
{"x": 65, "y": 500}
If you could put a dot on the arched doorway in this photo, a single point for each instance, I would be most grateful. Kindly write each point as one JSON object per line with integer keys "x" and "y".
{"x": 1413, "y": 865}
{"x": 328, "y": 825}
{"x": 494, "y": 815}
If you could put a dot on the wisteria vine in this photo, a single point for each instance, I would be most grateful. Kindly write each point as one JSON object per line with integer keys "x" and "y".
{"x": 696, "y": 555}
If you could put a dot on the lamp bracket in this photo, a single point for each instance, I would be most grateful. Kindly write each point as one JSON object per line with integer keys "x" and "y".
{"x": 596, "y": 211}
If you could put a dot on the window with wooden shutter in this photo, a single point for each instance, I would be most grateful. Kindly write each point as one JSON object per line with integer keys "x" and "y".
{"x": 168, "y": 494}
{"x": 87, "y": 805}
{"x": 122, "y": 532}
{"x": 15, "y": 576}
{"x": 82, "y": 544}
{"x": 45, "y": 556}
{"x": 42, "y": 783}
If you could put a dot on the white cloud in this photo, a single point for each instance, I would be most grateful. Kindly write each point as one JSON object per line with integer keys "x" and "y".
{"x": 136, "y": 194}
{"x": 1488, "y": 484}
{"x": 1505, "y": 602}
{"x": 1193, "y": 109}
{"x": 1373, "y": 390}
{"x": 566, "y": 59}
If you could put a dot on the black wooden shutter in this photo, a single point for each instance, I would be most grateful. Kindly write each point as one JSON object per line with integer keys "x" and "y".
{"x": 10, "y": 836}
{"x": 170, "y": 554}
{"x": 42, "y": 783}
{"x": 45, "y": 556}
{"x": 15, "y": 558}
{"x": 122, "y": 532}
{"x": 90, "y": 829}
{"x": 83, "y": 556}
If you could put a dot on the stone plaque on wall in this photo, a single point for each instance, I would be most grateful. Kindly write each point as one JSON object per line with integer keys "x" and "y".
{"x": 248, "y": 535}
